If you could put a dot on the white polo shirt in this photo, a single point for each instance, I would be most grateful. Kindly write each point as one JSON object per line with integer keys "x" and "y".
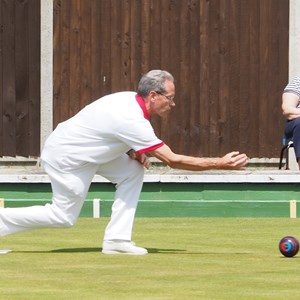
{"x": 102, "y": 131}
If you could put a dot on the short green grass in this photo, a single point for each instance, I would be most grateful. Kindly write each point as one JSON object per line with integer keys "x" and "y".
{"x": 190, "y": 258}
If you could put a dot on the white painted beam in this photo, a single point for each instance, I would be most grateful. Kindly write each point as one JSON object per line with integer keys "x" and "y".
{"x": 294, "y": 39}
{"x": 46, "y": 70}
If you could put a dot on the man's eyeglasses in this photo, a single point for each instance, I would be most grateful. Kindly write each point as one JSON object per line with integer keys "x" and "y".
{"x": 170, "y": 98}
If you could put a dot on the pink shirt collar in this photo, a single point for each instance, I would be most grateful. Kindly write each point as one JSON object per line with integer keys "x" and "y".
{"x": 141, "y": 103}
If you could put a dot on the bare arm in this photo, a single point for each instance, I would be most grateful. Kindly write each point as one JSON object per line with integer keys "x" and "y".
{"x": 290, "y": 102}
{"x": 230, "y": 161}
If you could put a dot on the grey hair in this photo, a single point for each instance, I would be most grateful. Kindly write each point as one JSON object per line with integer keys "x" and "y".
{"x": 153, "y": 81}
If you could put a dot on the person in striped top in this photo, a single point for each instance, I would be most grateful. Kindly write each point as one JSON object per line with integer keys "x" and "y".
{"x": 291, "y": 111}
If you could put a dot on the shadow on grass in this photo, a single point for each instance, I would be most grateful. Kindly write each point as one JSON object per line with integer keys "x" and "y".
{"x": 76, "y": 250}
{"x": 150, "y": 250}
{"x": 185, "y": 252}
{"x": 86, "y": 250}
{"x": 166, "y": 251}
{"x": 67, "y": 250}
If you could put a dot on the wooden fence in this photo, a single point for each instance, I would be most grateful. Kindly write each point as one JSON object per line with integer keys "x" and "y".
{"x": 229, "y": 58}
{"x": 20, "y": 77}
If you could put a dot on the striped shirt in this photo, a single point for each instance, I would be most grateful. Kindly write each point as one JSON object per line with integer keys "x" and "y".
{"x": 293, "y": 86}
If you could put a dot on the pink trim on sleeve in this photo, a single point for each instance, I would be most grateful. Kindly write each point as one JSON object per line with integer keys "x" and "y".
{"x": 149, "y": 149}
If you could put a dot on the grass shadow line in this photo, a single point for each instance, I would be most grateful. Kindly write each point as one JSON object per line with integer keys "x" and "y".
{"x": 76, "y": 250}
{"x": 150, "y": 250}
{"x": 166, "y": 251}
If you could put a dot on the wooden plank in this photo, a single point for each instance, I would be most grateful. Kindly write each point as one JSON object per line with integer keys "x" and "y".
{"x": 145, "y": 37}
{"x": 115, "y": 44}
{"x": 63, "y": 105}
{"x": 180, "y": 137}
{"x": 126, "y": 44}
{"x": 254, "y": 81}
{"x": 156, "y": 36}
{"x": 1, "y": 80}
{"x": 283, "y": 71}
{"x": 104, "y": 39}
{"x": 174, "y": 50}
{"x": 34, "y": 114}
{"x": 267, "y": 70}
{"x": 95, "y": 48}
{"x": 9, "y": 88}
{"x": 245, "y": 103}
{"x": 165, "y": 34}
{"x": 76, "y": 56}
{"x": 274, "y": 107}
{"x": 21, "y": 76}
{"x": 194, "y": 78}
{"x": 204, "y": 77}
{"x": 85, "y": 54}
{"x": 234, "y": 75}
{"x": 276, "y": 73}
{"x": 165, "y": 59}
{"x": 225, "y": 143}
{"x": 155, "y": 53}
{"x": 57, "y": 61}
{"x": 214, "y": 81}
{"x": 283, "y": 26}
{"x": 139, "y": 32}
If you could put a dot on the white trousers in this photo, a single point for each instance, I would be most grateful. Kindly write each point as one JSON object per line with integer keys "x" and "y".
{"x": 69, "y": 191}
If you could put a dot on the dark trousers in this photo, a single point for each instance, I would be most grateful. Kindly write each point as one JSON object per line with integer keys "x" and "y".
{"x": 292, "y": 130}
